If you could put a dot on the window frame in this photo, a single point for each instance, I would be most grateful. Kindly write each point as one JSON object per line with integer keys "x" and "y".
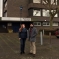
{"x": 46, "y": 24}
{"x": 37, "y": 24}
{"x": 36, "y": 10}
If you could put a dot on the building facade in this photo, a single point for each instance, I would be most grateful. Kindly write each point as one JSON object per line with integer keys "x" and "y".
{"x": 12, "y": 8}
{"x": 33, "y": 9}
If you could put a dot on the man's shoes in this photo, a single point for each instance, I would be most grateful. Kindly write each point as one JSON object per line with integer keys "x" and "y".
{"x": 33, "y": 55}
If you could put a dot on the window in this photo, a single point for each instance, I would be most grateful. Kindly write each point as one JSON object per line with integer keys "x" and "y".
{"x": 46, "y": 24}
{"x": 56, "y": 14}
{"x": 55, "y": 24}
{"x": 5, "y": 4}
{"x": 3, "y": 26}
{"x": 5, "y": 14}
{"x": 44, "y": 2}
{"x": 36, "y": 12}
{"x": 37, "y": 23}
{"x": 9, "y": 24}
{"x": 36, "y": 1}
{"x": 46, "y": 13}
{"x": 54, "y": 2}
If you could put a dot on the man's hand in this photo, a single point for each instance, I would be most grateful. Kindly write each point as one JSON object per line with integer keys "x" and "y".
{"x": 26, "y": 38}
{"x": 19, "y": 38}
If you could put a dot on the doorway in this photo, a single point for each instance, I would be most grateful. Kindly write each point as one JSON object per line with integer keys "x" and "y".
{"x": 3, "y": 27}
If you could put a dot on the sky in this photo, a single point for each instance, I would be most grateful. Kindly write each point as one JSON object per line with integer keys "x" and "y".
{"x": 1, "y": 8}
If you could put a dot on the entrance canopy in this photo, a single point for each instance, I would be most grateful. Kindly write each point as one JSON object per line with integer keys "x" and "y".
{"x": 15, "y": 19}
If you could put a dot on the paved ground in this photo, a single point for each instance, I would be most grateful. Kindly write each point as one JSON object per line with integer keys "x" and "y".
{"x": 9, "y": 48}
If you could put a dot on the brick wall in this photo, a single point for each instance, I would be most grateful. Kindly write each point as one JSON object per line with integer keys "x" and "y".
{"x": 13, "y": 9}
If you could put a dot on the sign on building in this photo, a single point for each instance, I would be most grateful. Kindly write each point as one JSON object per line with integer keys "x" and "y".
{"x": 15, "y": 19}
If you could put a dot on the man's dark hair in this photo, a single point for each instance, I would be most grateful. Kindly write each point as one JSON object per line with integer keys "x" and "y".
{"x": 31, "y": 23}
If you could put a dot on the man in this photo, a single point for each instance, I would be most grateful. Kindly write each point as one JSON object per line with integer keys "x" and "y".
{"x": 32, "y": 39}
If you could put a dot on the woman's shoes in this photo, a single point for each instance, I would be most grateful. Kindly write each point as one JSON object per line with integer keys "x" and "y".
{"x": 22, "y": 52}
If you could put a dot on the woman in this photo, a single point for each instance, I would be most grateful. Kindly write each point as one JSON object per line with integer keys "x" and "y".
{"x": 22, "y": 38}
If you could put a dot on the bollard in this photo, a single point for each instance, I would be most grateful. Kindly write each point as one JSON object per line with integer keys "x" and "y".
{"x": 41, "y": 37}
